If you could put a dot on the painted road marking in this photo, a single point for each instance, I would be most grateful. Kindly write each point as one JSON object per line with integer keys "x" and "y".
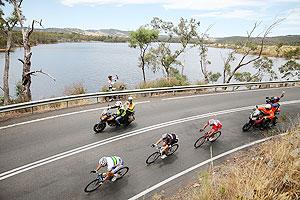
{"x": 143, "y": 193}
{"x": 59, "y": 156}
{"x": 57, "y": 116}
{"x": 222, "y": 93}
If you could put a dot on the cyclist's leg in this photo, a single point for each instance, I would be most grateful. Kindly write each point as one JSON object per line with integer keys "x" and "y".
{"x": 165, "y": 148}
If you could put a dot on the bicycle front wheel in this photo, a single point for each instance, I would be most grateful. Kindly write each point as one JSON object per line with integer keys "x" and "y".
{"x": 122, "y": 171}
{"x": 172, "y": 149}
{"x": 93, "y": 185}
{"x": 152, "y": 158}
{"x": 199, "y": 142}
{"x": 215, "y": 136}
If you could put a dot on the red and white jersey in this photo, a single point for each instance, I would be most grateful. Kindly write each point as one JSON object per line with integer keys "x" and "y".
{"x": 216, "y": 124}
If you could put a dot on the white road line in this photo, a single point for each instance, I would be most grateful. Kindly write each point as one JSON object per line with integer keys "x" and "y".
{"x": 59, "y": 156}
{"x": 57, "y": 116}
{"x": 222, "y": 93}
{"x": 143, "y": 193}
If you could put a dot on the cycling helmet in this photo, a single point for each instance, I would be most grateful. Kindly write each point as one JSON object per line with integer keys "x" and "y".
{"x": 130, "y": 99}
{"x": 118, "y": 104}
{"x": 268, "y": 106}
{"x": 103, "y": 161}
{"x": 165, "y": 135}
{"x": 211, "y": 122}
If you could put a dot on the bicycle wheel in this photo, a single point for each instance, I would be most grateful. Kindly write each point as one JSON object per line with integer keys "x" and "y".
{"x": 172, "y": 149}
{"x": 215, "y": 136}
{"x": 152, "y": 158}
{"x": 122, "y": 171}
{"x": 199, "y": 142}
{"x": 93, "y": 185}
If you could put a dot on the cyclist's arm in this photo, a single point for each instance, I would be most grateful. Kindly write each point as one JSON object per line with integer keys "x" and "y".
{"x": 204, "y": 127}
{"x": 98, "y": 167}
{"x": 158, "y": 141}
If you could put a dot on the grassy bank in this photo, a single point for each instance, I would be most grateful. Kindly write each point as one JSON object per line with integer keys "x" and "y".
{"x": 284, "y": 51}
{"x": 268, "y": 171}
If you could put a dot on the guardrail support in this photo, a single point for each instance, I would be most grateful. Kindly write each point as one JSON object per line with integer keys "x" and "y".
{"x": 67, "y": 104}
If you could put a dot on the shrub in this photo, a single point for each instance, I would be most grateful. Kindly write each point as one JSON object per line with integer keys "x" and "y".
{"x": 74, "y": 89}
{"x": 163, "y": 82}
{"x": 1, "y": 100}
{"x": 118, "y": 86}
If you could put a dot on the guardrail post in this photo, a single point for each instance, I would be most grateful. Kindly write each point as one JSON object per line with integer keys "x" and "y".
{"x": 97, "y": 99}
{"x": 173, "y": 92}
{"x": 32, "y": 110}
{"x": 67, "y": 103}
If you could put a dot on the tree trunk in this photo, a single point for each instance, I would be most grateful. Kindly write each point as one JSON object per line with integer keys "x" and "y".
{"x": 6, "y": 69}
{"x": 26, "y": 79}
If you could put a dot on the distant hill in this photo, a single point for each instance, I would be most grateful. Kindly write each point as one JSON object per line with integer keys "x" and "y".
{"x": 286, "y": 40}
{"x": 100, "y": 32}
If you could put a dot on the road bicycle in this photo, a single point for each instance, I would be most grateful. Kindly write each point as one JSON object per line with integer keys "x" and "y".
{"x": 206, "y": 137}
{"x": 154, "y": 156}
{"x": 96, "y": 183}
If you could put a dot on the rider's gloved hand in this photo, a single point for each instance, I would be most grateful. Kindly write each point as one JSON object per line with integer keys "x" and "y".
{"x": 93, "y": 171}
{"x": 153, "y": 145}
{"x": 201, "y": 130}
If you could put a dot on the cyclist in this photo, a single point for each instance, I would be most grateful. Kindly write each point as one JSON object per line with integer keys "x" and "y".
{"x": 215, "y": 124}
{"x": 168, "y": 140}
{"x": 113, "y": 163}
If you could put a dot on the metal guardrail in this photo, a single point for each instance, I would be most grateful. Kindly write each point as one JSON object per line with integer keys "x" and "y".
{"x": 97, "y": 95}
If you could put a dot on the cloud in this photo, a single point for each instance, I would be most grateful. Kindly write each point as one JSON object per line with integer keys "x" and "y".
{"x": 232, "y": 14}
{"x": 293, "y": 16}
{"x": 180, "y": 4}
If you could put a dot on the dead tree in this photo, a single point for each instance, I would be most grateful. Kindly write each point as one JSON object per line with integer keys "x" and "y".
{"x": 26, "y": 32}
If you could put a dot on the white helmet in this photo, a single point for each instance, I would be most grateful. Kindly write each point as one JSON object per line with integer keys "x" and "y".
{"x": 130, "y": 98}
{"x": 268, "y": 106}
{"x": 211, "y": 122}
{"x": 118, "y": 103}
{"x": 103, "y": 161}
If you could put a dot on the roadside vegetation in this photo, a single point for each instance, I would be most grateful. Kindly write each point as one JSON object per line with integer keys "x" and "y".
{"x": 268, "y": 171}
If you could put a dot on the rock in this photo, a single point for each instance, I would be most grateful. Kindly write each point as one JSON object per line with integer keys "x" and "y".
{"x": 196, "y": 185}
{"x": 297, "y": 164}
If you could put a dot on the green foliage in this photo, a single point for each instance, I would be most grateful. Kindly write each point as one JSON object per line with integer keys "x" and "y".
{"x": 243, "y": 76}
{"x": 213, "y": 77}
{"x": 1, "y": 100}
{"x": 142, "y": 37}
{"x": 291, "y": 69}
{"x": 18, "y": 90}
{"x": 74, "y": 89}
{"x": 294, "y": 53}
{"x": 162, "y": 57}
{"x": 264, "y": 68}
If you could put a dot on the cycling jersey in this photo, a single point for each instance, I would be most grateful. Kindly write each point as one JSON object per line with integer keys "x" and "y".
{"x": 113, "y": 163}
{"x": 170, "y": 139}
{"x": 217, "y": 125}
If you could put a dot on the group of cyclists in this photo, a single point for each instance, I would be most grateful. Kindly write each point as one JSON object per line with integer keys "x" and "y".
{"x": 114, "y": 163}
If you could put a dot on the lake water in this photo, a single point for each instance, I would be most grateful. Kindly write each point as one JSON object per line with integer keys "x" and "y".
{"x": 91, "y": 63}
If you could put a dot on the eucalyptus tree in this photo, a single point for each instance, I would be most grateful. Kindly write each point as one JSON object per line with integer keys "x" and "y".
{"x": 6, "y": 27}
{"x": 162, "y": 56}
{"x": 245, "y": 48}
{"x": 142, "y": 38}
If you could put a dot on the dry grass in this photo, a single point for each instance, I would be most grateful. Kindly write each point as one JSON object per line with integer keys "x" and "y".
{"x": 163, "y": 82}
{"x": 74, "y": 89}
{"x": 268, "y": 172}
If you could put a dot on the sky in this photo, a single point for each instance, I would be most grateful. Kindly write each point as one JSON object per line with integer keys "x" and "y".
{"x": 228, "y": 17}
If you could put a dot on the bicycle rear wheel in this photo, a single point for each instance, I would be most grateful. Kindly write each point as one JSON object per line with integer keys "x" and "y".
{"x": 215, "y": 136}
{"x": 172, "y": 149}
{"x": 122, "y": 171}
{"x": 199, "y": 142}
{"x": 152, "y": 158}
{"x": 93, "y": 185}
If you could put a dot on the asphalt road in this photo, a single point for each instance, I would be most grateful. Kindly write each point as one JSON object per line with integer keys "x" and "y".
{"x": 65, "y": 175}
